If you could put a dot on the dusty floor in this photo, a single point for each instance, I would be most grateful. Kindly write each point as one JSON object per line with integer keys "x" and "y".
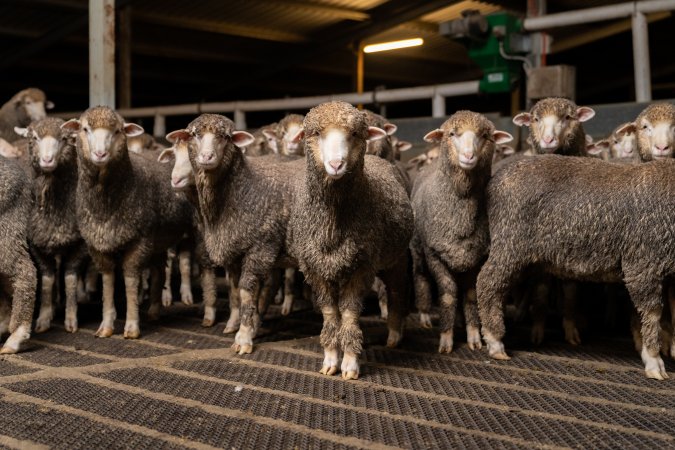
{"x": 180, "y": 386}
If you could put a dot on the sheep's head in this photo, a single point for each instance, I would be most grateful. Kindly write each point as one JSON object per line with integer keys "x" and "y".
{"x": 139, "y": 144}
{"x": 399, "y": 146}
{"x": 622, "y": 143}
{"x": 182, "y": 175}
{"x": 553, "y": 123}
{"x": 336, "y": 134}
{"x": 654, "y": 129}
{"x": 286, "y": 137}
{"x": 502, "y": 151}
{"x": 382, "y": 148}
{"x": 101, "y": 135}
{"x": 467, "y": 140}
{"x": 48, "y": 144}
{"x": 212, "y": 141}
{"x": 30, "y": 105}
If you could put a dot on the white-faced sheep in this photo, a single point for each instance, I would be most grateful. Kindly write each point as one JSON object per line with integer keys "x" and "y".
{"x": 285, "y": 138}
{"x": 654, "y": 129}
{"x": 53, "y": 232}
{"x": 127, "y": 213}
{"x": 451, "y": 229}
{"x": 244, "y": 207}
{"x": 581, "y": 218}
{"x": 350, "y": 219}
{"x": 19, "y": 111}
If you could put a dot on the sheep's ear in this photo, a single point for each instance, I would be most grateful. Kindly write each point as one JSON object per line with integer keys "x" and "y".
{"x": 390, "y": 128}
{"x": 434, "y": 136}
{"x": 166, "y": 156}
{"x": 131, "y": 129}
{"x": 375, "y": 134}
{"x": 242, "y": 138}
{"x": 507, "y": 150}
{"x": 501, "y": 137}
{"x": 596, "y": 148}
{"x": 23, "y": 132}
{"x": 178, "y": 135}
{"x": 72, "y": 126}
{"x": 49, "y": 104}
{"x": 299, "y": 135}
{"x": 403, "y": 146}
{"x": 269, "y": 134}
{"x": 417, "y": 160}
{"x": 523, "y": 119}
{"x": 585, "y": 113}
{"x": 627, "y": 128}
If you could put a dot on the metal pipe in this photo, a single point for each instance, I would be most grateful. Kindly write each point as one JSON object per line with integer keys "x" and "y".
{"x": 239, "y": 119}
{"x": 597, "y": 14}
{"x": 159, "y": 129}
{"x": 379, "y": 96}
{"x": 641, "y": 67}
{"x": 437, "y": 105}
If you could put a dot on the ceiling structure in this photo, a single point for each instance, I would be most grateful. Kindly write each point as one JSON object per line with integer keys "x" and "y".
{"x": 219, "y": 50}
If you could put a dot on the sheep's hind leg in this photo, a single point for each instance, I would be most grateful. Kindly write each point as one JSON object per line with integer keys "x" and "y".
{"x": 569, "y": 310}
{"x": 209, "y": 294}
{"x": 472, "y": 320}
{"x": 289, "y": 284}
{"x": 671, "y": 301}
{"x": 44, "y": 320}
{"x": 233, "y": 320}
{"x": 109, "y": 313}
{"x": 422, "y": 286}
{"x": 396, "y": 284}
{"x": 184, "y": 267}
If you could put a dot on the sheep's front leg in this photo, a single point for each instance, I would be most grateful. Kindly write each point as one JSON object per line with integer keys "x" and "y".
{"x": 46, "y": 315}
{"x": 24, "y": 283}
{"x": 209, "y": 295}
{"x": 109, "y": 313}
{"x": 233, "y": 320}
{"x": 421, "y": 283}
{"x": 70, "y": 322}
{"x": 472, "y": 320}
{"x": 289, "y": 285}
{"x": 350, "y": 334}
{"x": 381, "y": 290}
{"x": 327, "y": 303}
{"x": 185, "y": 266}
{"x": 243, "y": 340}
{"x": 396, "y": 283}
{"x": 539, "y": 307}
{"x": 5, "y": 313}
{"x": 157, "y": 283}
{"x": 447, "y": 288}
{"x": 132, "y": 279}
{"x": 167, "y": 294}
{"x": 671, "y": 301}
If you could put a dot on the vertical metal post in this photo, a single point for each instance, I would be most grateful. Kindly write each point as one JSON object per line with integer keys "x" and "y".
{"x": 643, "y": 82}
{"x": 437, "y": 105}
{"x": 159, "y": 128}
{"x": 102, "y": 52}
{"x": 359, "y": 71}
{"x": 239, "y": 119}
{"x": 124, "y": 52}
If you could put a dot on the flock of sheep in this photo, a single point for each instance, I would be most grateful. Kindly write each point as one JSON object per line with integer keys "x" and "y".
{"x": 325, "y": 193}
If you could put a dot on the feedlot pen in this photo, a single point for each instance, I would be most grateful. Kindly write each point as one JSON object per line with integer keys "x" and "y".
{"x": 180, "y": 386}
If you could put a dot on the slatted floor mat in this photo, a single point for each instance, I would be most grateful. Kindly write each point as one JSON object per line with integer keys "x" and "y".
{"x": 180, "y": 386}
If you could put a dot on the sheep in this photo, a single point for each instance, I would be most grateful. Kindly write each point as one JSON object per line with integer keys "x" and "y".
{"x": 142, "y": 143}
{"x": 286, "y": 136}
{"x": 262, "y": 144}
{"x": 126, "y": 211}
{"x": 24, "y": 107}
{"x": 53, "y": 231}
{"x": 18, "y": 275}
{"x": 654, "y": 130}
{"x": 350, "y": 218}
{"x": 556, "y": 127}
{"x": 183, "y": 181}
{"x": 244, "y": 207}
{"x": 384, "y": 148}
{"x": 451, "y": 237}
{"x": 581, "y": 218}
{"x": 399, "y": 146}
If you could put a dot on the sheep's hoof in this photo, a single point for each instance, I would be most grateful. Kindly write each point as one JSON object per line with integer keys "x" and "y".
{"x": 571, "y": 332}
{"x": 6, "y": 350}
{"x": 446, "y": 344}
{"x": 104, "y": 332}
{"x": 167, "y": 298}
{"x": 672, "y": 349}
{"x": 425, "y": 320}
{"x": 287, "y": 306}
{"x": 501, "y": 356}
{"x": 229, "y": 329}
{"x": 186, "y": 297}
{"x": 42, "y": 325}
{"x": 132, "y": 334}
{"x": 473, "y": 338}
{"x": 153, "y": 312}
{"x": 350, "y": 375}
{"x": 242, "y": 349}
{"x": 654, "y": 366}
{"x": 394, "y": 339}
{"x": 653, "y": 374}
{"x": 328, "y": 370}
{"x": 537, "y": 335}
{"x": 70, "y": 325}
{"x": 208, "y": 323}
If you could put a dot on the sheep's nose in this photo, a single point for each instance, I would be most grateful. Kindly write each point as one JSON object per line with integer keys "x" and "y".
{"x": 48, "y": 159}
{"x": 100, "y": 153}
{"x": 548, "y": 139}
{"x": 663, "y": 147}
{"x": 336, "y": 164}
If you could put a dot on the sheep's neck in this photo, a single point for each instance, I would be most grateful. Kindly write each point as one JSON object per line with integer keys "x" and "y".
{"x": 46, "y": 184}
{"x": 99, "y": 177}
{"x": 215, "y": 185}
{"x": 464, "y": 183}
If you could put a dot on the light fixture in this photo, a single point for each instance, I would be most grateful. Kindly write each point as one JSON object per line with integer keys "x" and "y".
{"x": 393, "y": 45}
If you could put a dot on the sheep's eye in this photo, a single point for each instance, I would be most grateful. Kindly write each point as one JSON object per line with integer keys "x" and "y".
{"x": 644, "y": 127}
{"x": 353, "y": 133}
{"x": 452, "y": 134}
{"x": 536, "y": 119}
{"x": 568, "y": 117}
